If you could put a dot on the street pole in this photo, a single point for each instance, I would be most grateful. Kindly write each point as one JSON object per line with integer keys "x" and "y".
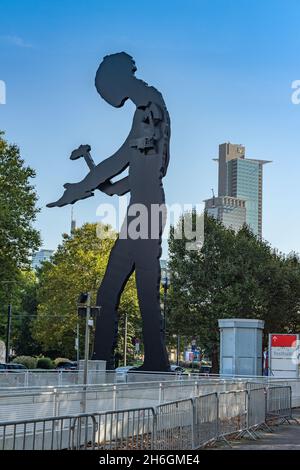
{"x": 86, "y": 352}
{"x": 125, "y": 341}
{"x": 77, "y": 344}
{"x": 178, "y": 348}
{"x": 165, "y": 310}
{"x": 165, "y": 283}
{"x": 87, "y": 339}
{"x": 8, "y": 328}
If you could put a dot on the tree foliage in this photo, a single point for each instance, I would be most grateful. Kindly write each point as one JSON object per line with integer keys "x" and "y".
{"x": 18, "y": 238}
{"x": 233, "y": 275}
{"x": 24, "y": 311}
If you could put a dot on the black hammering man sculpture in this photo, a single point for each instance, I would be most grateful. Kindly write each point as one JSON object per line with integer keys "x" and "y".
{"x": 146, "y": 154}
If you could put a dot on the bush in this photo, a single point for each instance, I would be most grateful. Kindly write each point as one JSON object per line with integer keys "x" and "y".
{"x": 58, "y": 360}
{"x": 44, "y": 363}
{"x": 27, "y": 361}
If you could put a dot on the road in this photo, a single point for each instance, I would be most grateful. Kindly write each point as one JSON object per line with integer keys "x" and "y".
{"x": 283, "y": 437}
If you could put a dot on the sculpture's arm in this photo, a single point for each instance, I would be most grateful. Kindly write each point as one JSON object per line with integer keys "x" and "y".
{"x": 119, "y": 187}
{"x": 102, "y": 172}
{"x": 108, "y": 168}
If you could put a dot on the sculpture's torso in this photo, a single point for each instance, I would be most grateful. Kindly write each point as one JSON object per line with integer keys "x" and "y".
{"x": 148, "y": 165}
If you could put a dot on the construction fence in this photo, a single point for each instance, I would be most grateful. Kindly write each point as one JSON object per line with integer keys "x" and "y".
{"x": 189, "y": 423}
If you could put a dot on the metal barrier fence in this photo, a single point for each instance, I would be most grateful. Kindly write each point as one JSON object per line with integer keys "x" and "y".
{"x": 20, "y": 403}
{"x": 256, "y": 412}
{"x": 39, "y": 377}
{"x": 11, "y": 381}
{"x": 232, "y": 412}
{"x": 206, "y": 419}
{"x": 59, "y": 378}
{"x": 174, "y": 425}
{"x": 182, "y": 424}
{"x": 128, "y": 429}
{"x": 279, "y": 402}
{"x": 37, "y": 434}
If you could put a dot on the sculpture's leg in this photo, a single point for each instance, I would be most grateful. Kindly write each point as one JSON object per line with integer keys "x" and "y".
{"x": 148, "y": 282}
{"x": 120, "y": 267}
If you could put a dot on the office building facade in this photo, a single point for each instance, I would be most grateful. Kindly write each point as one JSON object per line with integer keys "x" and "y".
{"x": 228, "y": 210}
{"x": 241, "y": 178}
{"x": 40, "y": 256}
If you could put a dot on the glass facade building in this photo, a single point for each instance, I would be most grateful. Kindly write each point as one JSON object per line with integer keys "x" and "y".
{"x": 244, "y": 181}
{"x": 40, "y": 256}
{"x": 230, "y": 211}
{"x": 241, "y": 178}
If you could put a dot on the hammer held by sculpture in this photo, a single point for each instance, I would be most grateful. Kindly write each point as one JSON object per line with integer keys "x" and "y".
{"x": 146, "y": 154}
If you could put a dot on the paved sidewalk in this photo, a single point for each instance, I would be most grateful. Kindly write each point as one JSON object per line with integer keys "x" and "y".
{"x": 283, "y": 437}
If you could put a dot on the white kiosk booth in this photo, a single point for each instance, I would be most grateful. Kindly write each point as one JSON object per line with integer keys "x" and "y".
{"x": 241, "y": 346}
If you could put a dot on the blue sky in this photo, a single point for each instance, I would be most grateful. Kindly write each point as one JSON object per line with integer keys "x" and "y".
{"x": 225, "y": 68}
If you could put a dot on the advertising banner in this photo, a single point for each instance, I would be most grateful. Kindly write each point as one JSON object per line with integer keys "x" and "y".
{"x": 284, "y": 355}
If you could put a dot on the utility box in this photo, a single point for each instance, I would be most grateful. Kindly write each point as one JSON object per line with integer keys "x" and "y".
{"x": 96, "y": 372}
{"x": 95, "y": 365}
{"x": 2, "y": 351}
{"x": 241, "y": 346}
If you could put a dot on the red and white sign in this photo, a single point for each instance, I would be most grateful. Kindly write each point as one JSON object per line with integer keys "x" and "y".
{"x": 283, "y": 353}
{"x": 283, "y": 341}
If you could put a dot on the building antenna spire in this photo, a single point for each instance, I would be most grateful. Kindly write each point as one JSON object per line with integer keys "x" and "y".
{"x": 73, "y": 222}
{"x": 213, "y": 194}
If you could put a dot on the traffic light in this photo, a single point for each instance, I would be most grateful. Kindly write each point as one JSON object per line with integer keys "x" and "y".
{"x": 82, "y": 299}
{"x": 94, "y": 311}
{"x": 81, "y": 311}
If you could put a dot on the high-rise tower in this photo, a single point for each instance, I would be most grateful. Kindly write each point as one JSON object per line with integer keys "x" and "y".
{"x": 241, "y": 178}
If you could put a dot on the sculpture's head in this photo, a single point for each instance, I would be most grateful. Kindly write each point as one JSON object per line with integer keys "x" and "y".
{"x": 114, "y": 76}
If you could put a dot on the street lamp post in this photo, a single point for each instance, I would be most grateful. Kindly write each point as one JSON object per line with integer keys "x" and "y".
{"x": 8, "y": 329}
{"x": 87, "y": 311}
{"x": 85, "y": 299}
{"x": 8, "y": 324}
{"x": 165, "y": 282}
{"x": 125, "y": 339}
{"x": 87, "y": 338}
{"x": 77, "y": 343}
{"x": 178, "y": 349}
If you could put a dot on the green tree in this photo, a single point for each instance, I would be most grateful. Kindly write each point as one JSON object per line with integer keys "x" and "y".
{"x": 24, "y": 311}
{"x": 77, "y": 266}
{"x": 18, "y": 238}
{"x": 232, "y": 275}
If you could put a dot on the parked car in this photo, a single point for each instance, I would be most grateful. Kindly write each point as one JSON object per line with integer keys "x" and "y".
{"x": 12, "y": 366}
{"x": 205, "y": 369}
{"x": 68, "y": 365}
{"x": 176, "y": 368}
{"x": 123, "y": 369}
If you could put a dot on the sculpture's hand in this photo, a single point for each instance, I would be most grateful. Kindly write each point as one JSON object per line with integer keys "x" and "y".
{"x": 73, "y": 192}
{"x": 119, "y": 187}
{"x": 97, "y": 175}
{"x": 107, "y": 188}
